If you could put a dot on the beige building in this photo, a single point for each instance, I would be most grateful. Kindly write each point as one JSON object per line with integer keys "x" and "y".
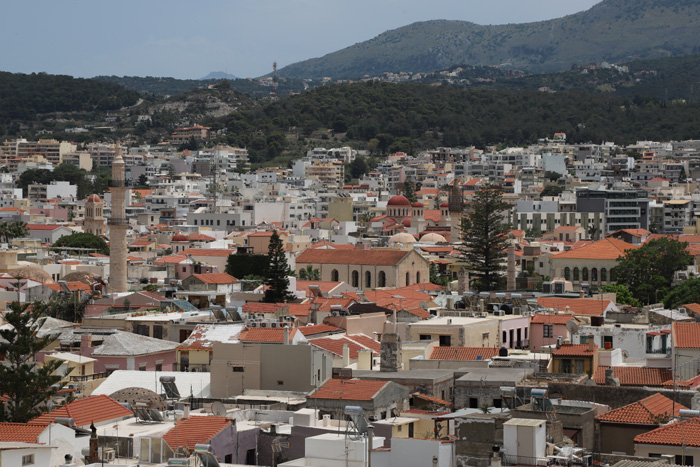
{"x": 94, "y": 222}
{"x": 592, "y": 264}
{"x": 329, "y": 173}
{"x": 72, "y": 365}
{"x": 367, "y": 269}
{"x": 457, "y": 332}
{"x": 239, "y": 366}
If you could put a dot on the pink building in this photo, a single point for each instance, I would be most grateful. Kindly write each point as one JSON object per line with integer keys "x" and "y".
{"x": 545, "y": 329}
{"x": 129, "y": 351}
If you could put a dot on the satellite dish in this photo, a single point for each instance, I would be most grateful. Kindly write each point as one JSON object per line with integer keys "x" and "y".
{"x": 572, "y": 326}
{"x": 218, "y": 409}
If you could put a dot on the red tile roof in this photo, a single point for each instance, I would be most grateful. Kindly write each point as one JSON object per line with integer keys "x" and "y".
{"x": 349, "y": 389}
{"x": 463, "y": 353}
{"x": 366, "y": 257}
{"x": 86, "y": 411}
{"x": 172, "y": 259}
{"x": 335, "y": 346}
{"x": 578, "y": 306}
{"x": 195, "y": 430}
{"x": 274, "y": 335}
{"x": 20, "y": 432}
{"x": 635, "y": 375}
{"x": 260, "y": 307}
{"x": 221, "y": 252}
{"x": 675, "y": 434}
{"x": 319, "y": 329}
{"x": 551, "y": 319}
{"x": 608, "y": 248}
{"x": 647, "y": 411}
{"x": 43, "y": 226}
{"x": 432, "y": 399}
{"x": 216, "y": 278}
{"x": 574, "y": 350}
{"x": 686, "y": 335}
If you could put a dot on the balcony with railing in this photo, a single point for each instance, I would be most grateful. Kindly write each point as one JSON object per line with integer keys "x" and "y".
{"x": 117, "y": 183}
{"x": 118, "y": 221}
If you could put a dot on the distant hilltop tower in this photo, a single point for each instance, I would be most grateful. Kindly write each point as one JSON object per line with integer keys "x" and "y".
{"x": 118, "y": 224}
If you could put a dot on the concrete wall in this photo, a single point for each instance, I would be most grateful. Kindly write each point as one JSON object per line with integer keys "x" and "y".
{"x": 42, "y": 456}
{"x": 224, "y": 443}
{"x": 644, "y": 450}
{"x": 618, "y": 437}
{"x": 476, "y": 435}
{"x": 615, "y": 396}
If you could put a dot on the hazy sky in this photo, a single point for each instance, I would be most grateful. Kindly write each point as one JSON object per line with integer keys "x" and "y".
{"x": 188, "y": 39}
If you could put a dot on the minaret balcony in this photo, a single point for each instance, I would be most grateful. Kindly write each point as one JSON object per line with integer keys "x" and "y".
{"x": 118, "y": 221}
{"x": 117, "y": 183}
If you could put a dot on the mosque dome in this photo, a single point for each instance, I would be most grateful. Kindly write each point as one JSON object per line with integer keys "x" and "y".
{"x": 399, "y": 200}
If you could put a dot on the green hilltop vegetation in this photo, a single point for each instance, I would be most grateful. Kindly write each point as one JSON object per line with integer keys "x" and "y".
{"x": 384, "y": 118}
{"x": 24, "y": 97}
{"x": 666, "y": 79}
{"x": 173, "y": 86}
{"x": 613, "y": 30}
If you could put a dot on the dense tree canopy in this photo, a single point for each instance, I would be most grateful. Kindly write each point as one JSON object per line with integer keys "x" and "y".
{"x": 26, "y": 384}
{"x": 484, "y": 235}
{"x": 82, "y": 240}
{"x": 687, "y": 292}
{"x": 277, "y": 274}
{"x": 648, "y": 270}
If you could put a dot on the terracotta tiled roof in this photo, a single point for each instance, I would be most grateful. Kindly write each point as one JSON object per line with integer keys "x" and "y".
{"x": 43, "y": 226}
{"x": 324, "y": 286}
{"x": 172, "y": 259}
{"x": 20, "y": 432}
{"x": 635, "y": 375}
{"x": 463, "y": 353}
{"x": 574, "y": 350}
{"x": 349, "y": 389}
{"x": 578, "y": 306}
{"x": 365, "y": 257}
{"x": 335, "y": 246}
{"x": 195, "y": 430}
{"x": 608, "y": 248}
{"x": 432, "y": 399}
{"x": 299, "y": 309}
{"x": 319, "y": 329}
{"x": 366, "y": 341}
{"x": 693, "y": 307}
{"x": 551, "y": 319}
{"x": 686, "y": 335}
{"x": 335, "y": 345}
{"x": 646, "y": 411}
{"x": 216, "y": 278}
{"x": 260, "y": 307}
{"x": 86, "y": 411}
{"x": 691, "y": 383}
{"x": 274, "y": 335}
{"x": 220, "y": 252}
{"x": 675, "y": 434}
{"x": 198, "y": 237}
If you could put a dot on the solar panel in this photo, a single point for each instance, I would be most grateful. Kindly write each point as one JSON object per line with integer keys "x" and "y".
{"x": 218, "y": 314}
{"x": 155, "y": 415}
{"x": 142, "y": 413}
{"x": 171, "y": 391}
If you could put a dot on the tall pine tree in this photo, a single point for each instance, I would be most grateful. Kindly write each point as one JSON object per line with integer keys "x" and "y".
{"x": 277, "y": 274}
{"x": 26, "y": 385}
{"x": 484, "y": 236}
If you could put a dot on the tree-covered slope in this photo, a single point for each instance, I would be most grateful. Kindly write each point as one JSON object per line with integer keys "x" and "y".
{"x": 613, "y": 30}
{"x": 23, "y": 97}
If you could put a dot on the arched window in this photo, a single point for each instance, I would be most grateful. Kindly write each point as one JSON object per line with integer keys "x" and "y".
{"x": 418, "y": 277}
{"x": 335, "y": 276}
{"x": 567, "y": 273}
{"x": 584, "y": 274}
{"x": 603, "y": 275}
{"x": 594, "y": 275}
{"x": 576, "y": 274}
{"x": 381, "y": 279}
{"x": 355, "y": 279}
{"x": 368, "y": 280}
{"x": 408, "y": 279}
{"x": 612, "y": 275}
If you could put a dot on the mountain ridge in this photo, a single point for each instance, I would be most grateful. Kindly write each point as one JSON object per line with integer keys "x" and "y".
{"x": 612, "y": 30}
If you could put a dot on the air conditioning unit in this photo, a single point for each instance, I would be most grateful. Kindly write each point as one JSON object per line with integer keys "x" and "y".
{"x": 273, "y": 325}
{"x": 253, "y": 325}
{"x": 559, "y": 287}
{"x": 517, "y": 310}
{"x": 547, "y": 287}
{"x": 499, "y": 313}
{"x": 263, "y": 325}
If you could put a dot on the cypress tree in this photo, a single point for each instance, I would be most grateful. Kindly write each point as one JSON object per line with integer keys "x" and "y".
{"x": 277, "y": 277}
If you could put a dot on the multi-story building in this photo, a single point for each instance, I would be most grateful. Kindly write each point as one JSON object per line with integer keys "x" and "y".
{"x": 328, "y": 173}
{"x": 677, "y": 214}
{"x": 622, "y": 209}
{"x": 183, "y": 135}
{"x": 55, "y": 189}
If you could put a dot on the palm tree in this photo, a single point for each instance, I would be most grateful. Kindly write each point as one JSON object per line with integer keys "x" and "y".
{"x": 4, "y": 231}
{"x": 17, "y": 229}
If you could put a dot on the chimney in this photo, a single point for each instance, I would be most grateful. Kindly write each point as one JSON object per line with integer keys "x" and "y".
{"x": 286, "y": 335}
{"x": 591, "y": 344}
{"x": 462, "y": 281}
{"x": 390, "y": 354}
{"x": 93, "y": 452}
{"x": 511, "y": 268}
{"x": 610, "y": 380}
{"x": 346, "y": 355}
{"x": 581, "y": 294}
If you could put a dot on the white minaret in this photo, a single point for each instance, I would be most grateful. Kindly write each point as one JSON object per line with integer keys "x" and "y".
{"x": 118, "y": 224}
